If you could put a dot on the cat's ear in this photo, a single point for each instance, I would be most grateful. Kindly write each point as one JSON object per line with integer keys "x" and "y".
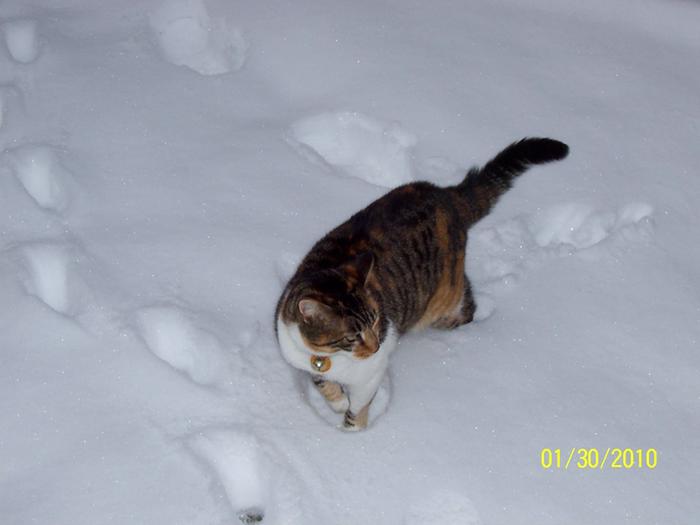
{"x": 312, "y": 309}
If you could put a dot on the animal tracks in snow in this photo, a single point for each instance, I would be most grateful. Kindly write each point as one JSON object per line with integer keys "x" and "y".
{"x": 188, "y": 36}
{"x": 52, "y": 273}
{"x": 581, "y": 226}
{"x": 236, "y": 459}
{"x": 361, "y": 146}
{"x": 257, "y": 479}
{"x": 172, "y": 334}
{"x": 39, "y": 170}
{"x": 564, "y": 229}
{"x": 47, "y": 274}
{"x": 21, "y": 39}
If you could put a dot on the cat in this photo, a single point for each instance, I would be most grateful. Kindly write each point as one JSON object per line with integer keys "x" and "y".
{"x": 395, "y": 266}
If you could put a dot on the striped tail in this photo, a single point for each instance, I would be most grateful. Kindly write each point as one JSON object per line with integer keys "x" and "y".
{"x": 483, "y": 186}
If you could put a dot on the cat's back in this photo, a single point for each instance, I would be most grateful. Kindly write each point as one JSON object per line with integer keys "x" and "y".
{"x": 403, "y": 210}
{"x": 386, "y": 222}
{"x": 404, "y": 206}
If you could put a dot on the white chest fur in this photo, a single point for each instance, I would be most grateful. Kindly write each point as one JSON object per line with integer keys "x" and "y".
{"x": 345, "y": 368}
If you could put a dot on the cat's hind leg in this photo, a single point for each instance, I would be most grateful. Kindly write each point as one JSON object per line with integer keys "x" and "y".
{"x": 463, "y": 312}
{"x": 468, "y": 304}
{"x": 333, "y": 393}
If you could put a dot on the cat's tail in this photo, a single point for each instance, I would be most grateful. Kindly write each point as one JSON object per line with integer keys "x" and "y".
{"x": 482, "y": 187}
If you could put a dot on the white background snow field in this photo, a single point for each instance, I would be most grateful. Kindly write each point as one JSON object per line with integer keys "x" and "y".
{"x": 165, "y": 164}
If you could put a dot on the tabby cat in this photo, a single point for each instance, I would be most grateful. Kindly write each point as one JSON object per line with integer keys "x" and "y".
{"x": 395, "y": 266}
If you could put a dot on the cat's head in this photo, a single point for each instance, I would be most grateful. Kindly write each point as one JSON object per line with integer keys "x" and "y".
{"x": 336, "y": 311}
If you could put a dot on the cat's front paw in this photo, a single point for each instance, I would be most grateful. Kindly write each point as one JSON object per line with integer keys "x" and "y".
{"x": 333, "y": 393}
{"x": 354, "y": 423}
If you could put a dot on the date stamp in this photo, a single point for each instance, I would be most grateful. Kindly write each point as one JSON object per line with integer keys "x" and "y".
{"x": 599, "y": 459}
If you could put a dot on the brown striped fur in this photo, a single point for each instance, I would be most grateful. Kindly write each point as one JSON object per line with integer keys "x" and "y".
{"x": 400, "y": 260}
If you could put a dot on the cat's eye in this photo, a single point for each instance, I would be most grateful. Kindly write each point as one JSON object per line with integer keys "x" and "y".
{"x": 343, "y": 341}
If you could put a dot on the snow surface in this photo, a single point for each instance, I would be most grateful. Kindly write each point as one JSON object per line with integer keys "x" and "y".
{"x": 164, "y": 165}
{"x": 188, "y": 36}
{"x": 21, "y": 40}
{"x": 39, "y": 171}
{"x": 172, "y": 336}
{"x": 359, "y": 145}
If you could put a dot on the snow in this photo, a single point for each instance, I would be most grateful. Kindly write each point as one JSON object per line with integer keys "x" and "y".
{"x": 164, "y": 165}
{"x": 235, "y": 457}
{"x": 363, "y": 147}
{"x": 9, "y": 102}
{"x": 443, "y": 506}
{"x": 188, "y": 36}
{"x": 21, "y": 40}
{"x": 2, "y": 107}
{"x": 174, "y": 338}
{"x": 39, "y": 170}
{"x": 581, "y": 226}
{"x": 48, "y": 274}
